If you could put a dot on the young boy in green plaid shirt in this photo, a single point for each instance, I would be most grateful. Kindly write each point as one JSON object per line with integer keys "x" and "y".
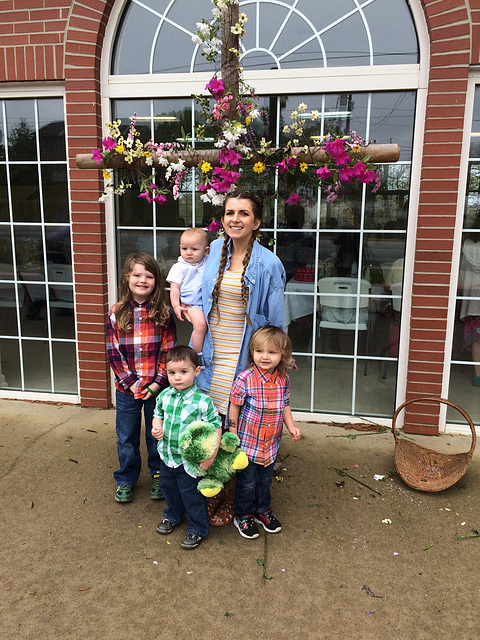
{"x": 177, "y": 406}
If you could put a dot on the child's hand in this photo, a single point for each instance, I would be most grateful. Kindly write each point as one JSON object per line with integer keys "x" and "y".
{"x": 295, "y": 433}
{"x": 181, "y": 313}
{"x": 206, "y": 464}
{"x": 157, "y": 429}
{"x": 157, "y": 433}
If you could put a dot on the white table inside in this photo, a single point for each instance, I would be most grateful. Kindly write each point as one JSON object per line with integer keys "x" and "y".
{"x": 297, "y": 306}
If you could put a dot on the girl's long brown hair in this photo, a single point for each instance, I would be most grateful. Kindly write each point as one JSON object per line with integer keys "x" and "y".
{"x": 257, "y": 214}
{"x": 158, "y": 310}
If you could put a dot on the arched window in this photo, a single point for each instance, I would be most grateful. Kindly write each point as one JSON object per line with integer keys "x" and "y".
{"x": 357, "y": 63}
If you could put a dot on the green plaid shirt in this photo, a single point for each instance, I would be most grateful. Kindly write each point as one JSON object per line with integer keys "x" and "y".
{"x": 178, "y": 409}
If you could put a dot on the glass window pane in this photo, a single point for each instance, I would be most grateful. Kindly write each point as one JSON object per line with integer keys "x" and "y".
{"x": 65, "y": 367}
{"x": 8, "y": 308}
{"x": 25, "y": 193}
{"x": 61, "y": 311}
{"x": 6, "y": 257}
{"x": 22, "y": 141}
{"x": 51, "y": 129}
{"x": 36, "y": 365}
{"x": 303, "y": 34}
{"x": 4, "y": 211}
{"x": 29, "y": 251}
{"x": 59, "y": 247}
{"x": 10, "y": 375}
{"x": 55, "y": 193}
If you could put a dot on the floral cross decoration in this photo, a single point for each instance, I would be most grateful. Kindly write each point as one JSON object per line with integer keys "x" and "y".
{"x": 340, "y": 160}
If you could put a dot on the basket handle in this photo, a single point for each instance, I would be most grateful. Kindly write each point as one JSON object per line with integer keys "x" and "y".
{"x": 441, "y": 400}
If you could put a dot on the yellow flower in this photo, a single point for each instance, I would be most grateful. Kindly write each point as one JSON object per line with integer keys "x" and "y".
{"x": 147, "y": 154}
{"x": 356, "y": 148}
{"x": 119, "y": 148}
{"x": 107, "y": 175}
{"x": 206, "y": 167}
{"x": 259, "y": 167}
{"x": 303, "y": 167}
{"x": 248, "y": 120}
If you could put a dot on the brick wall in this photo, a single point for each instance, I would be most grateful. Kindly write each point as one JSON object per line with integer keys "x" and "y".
{"x": 450, "y": 37}
{"x": 32, "y": 36}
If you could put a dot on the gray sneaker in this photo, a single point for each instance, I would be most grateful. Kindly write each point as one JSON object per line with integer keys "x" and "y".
{"x": 190, "y": 541}
{"x": 165, "y": 526}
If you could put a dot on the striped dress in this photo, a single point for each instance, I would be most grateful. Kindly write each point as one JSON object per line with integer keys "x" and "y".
{"x": 227, "y": 333}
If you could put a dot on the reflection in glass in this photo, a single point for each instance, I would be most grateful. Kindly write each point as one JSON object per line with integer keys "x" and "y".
{"x": 4, "y": 212}
{"x": 55, "y": 193}
{"x": 64, "y": 367}
{"x": 286, "y": 35}
{"x": 10, "y": 377}
{"x": 25, "y": 193}
{"x": 29, "y": 250}
{"x": 8, "y": 307}
{"x": 36, "y": 365}
{"x": 51, "y": 129}
{"x": 22, "y": 143}
{"x": 6, "y": 257}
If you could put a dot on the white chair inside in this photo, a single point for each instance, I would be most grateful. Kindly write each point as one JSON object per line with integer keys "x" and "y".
{"x": 339, "y": 304}
{"x": 396, "y": 302}
{"x": 60, "y": 296}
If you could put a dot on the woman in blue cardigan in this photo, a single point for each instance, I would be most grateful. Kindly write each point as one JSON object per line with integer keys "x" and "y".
{"x": 242, "y": 290}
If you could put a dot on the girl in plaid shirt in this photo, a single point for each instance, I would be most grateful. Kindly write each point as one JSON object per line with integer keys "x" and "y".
{"x": 259, "y": 405}
{"x": 140, "y": 331}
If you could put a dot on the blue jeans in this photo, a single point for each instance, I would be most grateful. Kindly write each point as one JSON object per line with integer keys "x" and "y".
{"x": 252, "y": 493}
{"x": 183, "y": 498}
{"x": 128, "y": 424}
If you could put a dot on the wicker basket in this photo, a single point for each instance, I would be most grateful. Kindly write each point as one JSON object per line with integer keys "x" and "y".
{"x": 304, "y": 274}
{"x": 425, "y": 469}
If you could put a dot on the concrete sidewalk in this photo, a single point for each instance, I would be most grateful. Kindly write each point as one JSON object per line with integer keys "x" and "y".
{"x": 351, "y": 561}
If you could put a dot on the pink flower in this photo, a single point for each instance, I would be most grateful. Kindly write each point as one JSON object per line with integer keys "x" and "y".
{"x": 145, "y": 195}
{"x": 345, "y": 174}
{"x": 109, "y": 143}
{"x": 358, "y": 171}
{"x": 281, "y": 166}
{"x": 229, "y": 156}
{"x": 323, "y": 173}
{"x": 215, "y": 87}
{"x": 159, "y": 198}
{"x": 97, "y": 155}
{"x": 336, "y": 149}
{"x": 214, "y": 226}
{"x": 293, "y": 199}
{"x": 292, "y": 161}
{"x": 368, "y": 176}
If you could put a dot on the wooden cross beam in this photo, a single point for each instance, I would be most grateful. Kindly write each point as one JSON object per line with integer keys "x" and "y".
{"x": 193, "y": 157}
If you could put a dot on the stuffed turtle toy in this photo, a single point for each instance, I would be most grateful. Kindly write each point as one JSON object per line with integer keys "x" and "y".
{"x": 199, "y": 442}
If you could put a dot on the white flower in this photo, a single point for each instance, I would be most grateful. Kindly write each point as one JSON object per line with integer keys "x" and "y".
{"x": 178, "y": 166}
{"x": 204, "y": 29}
{"x": 387, "y": 521}
{"x": 103, "y": 197}
{"x": 377, "y": 476}
{"x": 222, "y": 5}
{"x": 204, "y": 197}
{"x": 216, "y": 12}
{"x": 208, "y": 50}
{"x": 163, "y": 162}
{"x": 243, "y": 17}
{"x": 215, "y": 42}
{"x": 314, "y": 115}
{"x": 286, "y": 129}
{"x": 149, "y": 161}
{"x": 219, "y": 144}
{"x": 254, "y": 114}
{"x": 196, "y": 39}
{"x": 302, "y": 107}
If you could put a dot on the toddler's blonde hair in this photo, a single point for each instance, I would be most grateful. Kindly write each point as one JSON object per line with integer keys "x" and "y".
{"x": 278, "y": 338}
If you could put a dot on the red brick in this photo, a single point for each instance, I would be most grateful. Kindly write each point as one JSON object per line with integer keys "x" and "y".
{"x": 29, "y": 27}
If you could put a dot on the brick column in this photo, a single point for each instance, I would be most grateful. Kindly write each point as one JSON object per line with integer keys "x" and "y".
{"x": 450, "y": 37}
{"x": 83, "y": 48}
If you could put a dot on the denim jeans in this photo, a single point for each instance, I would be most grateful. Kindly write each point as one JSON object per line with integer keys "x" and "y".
{"x": 128, "y": 424}
{"x": 252, "y": 493}
{"x": 183, "y": 498}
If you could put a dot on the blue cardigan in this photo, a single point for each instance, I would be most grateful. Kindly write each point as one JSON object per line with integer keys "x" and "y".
{"x": 265, "y": 279}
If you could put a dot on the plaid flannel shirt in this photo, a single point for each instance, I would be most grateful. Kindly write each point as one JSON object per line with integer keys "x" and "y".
{"x": 178, "y": 409}
{"x": 263, "y": 397}
{"x": 139, "y": 355}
